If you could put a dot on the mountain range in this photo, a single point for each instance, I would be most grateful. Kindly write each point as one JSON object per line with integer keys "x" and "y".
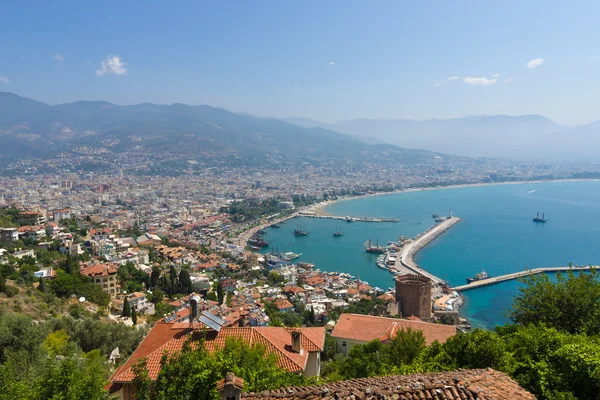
{"x": 524, "y": 137}
{"x": 29, "y": 128}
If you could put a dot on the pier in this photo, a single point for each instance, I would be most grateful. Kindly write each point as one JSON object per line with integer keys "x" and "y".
{"x": 350, "y": 219}
{"x": 406, "y": 257}
{"x": 517, "y": 275}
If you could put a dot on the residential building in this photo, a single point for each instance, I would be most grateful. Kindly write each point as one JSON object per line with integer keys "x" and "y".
{"x": 31, "y": 218}
{"x": 9, "y": 234}
{"x": 229, "y": 285}
{"x": 105, "y": 276}
{"x": 297, "y": 349}
{"x": 32, "y": 232}
{"x": 355, "y": 329}
{"x": 23, "y": 253}
{"x": 284, "y": 305}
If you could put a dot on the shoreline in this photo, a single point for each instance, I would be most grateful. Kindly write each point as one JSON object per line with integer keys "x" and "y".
{"x": 320, "y": 209}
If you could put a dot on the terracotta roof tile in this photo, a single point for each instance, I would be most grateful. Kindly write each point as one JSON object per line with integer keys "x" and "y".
{"x": 367, "y": 327}
{"x": 478, "y": 384}
{"x": 170, "y": 337}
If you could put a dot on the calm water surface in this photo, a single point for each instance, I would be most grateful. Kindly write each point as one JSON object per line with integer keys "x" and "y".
{"x": 496, "y": 234}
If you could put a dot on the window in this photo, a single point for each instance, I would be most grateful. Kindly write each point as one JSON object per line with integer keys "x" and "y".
{"x": 344, "y": 344}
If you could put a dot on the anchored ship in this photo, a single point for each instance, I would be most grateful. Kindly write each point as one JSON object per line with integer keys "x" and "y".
{"x": 537, "y": 218}
{"x": 478, "y": 277}
{"x": 369, "y": 248}
{"x": 338, "y": 233}
{"x": 300, "y": 232}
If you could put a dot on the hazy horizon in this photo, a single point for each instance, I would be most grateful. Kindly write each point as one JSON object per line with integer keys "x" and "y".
{"x": 328, "y": 62}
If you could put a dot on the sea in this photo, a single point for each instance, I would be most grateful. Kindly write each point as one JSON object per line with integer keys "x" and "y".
{"x": 496, "y": 234}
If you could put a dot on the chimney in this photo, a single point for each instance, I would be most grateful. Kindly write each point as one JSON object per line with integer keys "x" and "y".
{"x": 296, "y": 347}
{"x": 231, "y": 387}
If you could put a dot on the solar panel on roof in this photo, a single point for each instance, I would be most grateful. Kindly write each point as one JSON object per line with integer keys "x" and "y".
{"x": 214, "y": 318}
{"x": 210, "y": 323}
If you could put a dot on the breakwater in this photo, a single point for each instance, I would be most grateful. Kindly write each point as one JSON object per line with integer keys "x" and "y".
{"x": 350, "y": 219}
{"x": 517, "y": 275}
{"x": 411, "y": 248}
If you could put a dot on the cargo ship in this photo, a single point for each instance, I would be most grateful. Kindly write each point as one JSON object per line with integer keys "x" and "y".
{"x": 482, "y": 275}
{"x": 377, "y": 249}
{"x": 537, "y": 218}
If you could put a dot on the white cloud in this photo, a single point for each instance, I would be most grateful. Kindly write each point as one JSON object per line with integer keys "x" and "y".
{"x": 331, "y": 63}
{"x": 4, "y": 80}
{"x": 496, "y": 76}
{"x": 531, "y": 64}
{"x": 112, "y": 65}
{"x": 294, "y": 88}
{"x": 58, "y": 57}
{"x": 594, "y": 57}
{"x": 508, "y": 80}
{"x": 452, "y": 78}
{"x": 482, "y": 81}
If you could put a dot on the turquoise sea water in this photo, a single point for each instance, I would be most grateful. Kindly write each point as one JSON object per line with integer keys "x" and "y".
{"x": 496, "y": 234}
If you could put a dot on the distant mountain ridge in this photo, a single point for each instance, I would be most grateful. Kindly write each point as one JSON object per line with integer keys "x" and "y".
{"x": 32, "y": 129}
{"x": 527, "y": 137}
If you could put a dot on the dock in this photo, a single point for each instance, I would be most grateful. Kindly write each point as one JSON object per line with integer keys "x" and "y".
{"x": 350, "y": 219}
{"x": 517, "y": 275}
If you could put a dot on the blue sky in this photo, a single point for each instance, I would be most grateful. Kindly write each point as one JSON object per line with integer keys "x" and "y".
{"x": 327, "y": 60}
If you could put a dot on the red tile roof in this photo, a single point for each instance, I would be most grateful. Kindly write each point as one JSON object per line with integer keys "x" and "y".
{"x": 99, "y": 270}
{"x": 170, "y": 337}
{"x": 367, "y": 327}
{"x": 476, "y": 384}
{"x": 283, "y": 304}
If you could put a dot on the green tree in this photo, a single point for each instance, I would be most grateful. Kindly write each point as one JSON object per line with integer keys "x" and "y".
{"x": 155, "y": 276}
{"x": 126, "y": 308}
{"x": 219, "y": 290}
{"x": 42, "y": 285}
{"x": 157, "y": 296}
{"x": 134, "y": 316}
{"x": 185, "y": 282}
{"x": 405, "y": 347}
{"x": 572, "y": 303}
{"x": 2, "y": 284}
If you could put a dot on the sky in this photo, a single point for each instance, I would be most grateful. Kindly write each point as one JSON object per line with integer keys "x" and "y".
{"x": 325, "y": 60}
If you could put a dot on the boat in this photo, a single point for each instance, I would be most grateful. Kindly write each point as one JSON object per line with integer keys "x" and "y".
{"x": 300, "y": 232}
{"x": 480, "y": 276}
{"x": 261, "y": 232}
{"x": 275, "y": 226}
{"x": 377, "y": 249}
{"x": 338, "y": 233}
{"x": 258, "y": 242}
{"x": 537, "y": 218}
{"x": 290, "y": 256}
{"x": 349, "y": 219}
{"x": 434, "y": 216}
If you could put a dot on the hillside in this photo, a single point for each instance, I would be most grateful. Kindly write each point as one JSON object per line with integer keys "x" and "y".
{"x": 528, "y": 137}
{"x": 32, "y": 129}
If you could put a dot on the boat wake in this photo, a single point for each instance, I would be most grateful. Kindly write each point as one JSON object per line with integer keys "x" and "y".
{"x": 531, "y": 191}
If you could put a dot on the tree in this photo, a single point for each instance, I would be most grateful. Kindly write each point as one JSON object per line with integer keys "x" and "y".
{"x": 42, "y": 285}
{"x": 572, "y": 303}
{"x": 185, "y": 282}
{"x": 229, "y": 300}
{"x": 133, "y": 316}
{"x": 157, "y": 296}
{"x": 211, "y": 296}
{"x": 404, "y": 348}
{"x": 2, "y": 284}
{"x": 126, "y": 308}
{"x": 219, "y": 290}
{"x": 155, "y": 276}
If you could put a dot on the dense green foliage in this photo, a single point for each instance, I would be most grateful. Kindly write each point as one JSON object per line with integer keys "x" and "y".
{"x": 194, "y": 372}
{"x": 63, "y": 358}
{"x": 572, "y": 303}
{"x": 249, "y": 209}
{"x": 8, "y": 217}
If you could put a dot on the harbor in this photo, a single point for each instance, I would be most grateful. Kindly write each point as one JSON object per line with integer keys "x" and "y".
{"x": 349, "y": 218}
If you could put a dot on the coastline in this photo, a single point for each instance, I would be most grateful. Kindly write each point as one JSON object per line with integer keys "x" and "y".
{"x": 320, "y": 209}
